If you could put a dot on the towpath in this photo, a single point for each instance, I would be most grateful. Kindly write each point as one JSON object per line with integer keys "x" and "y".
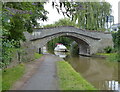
{"x": 42, "y": 76}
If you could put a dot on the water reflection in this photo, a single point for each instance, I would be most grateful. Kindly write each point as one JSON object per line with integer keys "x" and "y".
{"x": 60, "y": 54}
{"x": 44, "y": 50}
{"x": 100, "y": 73}
{"x": 112, "y": 85}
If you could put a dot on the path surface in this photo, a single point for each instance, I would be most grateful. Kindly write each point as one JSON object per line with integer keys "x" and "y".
{"x": 45, "y": 78}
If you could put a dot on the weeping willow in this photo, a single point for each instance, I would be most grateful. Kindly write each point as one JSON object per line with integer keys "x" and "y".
{"x": 92, "y": 16}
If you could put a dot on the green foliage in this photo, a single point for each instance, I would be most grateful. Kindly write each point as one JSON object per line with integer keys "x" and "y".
{"x": 93, "y": 17}
{"x": 114, "y": 35}
{"x": 11, "y": 75}
{"x": 112, "y": 57}
{"x": 18, "y": 17}
{"x": 88, "y": 15}
{"x": 118, "y": 44}
{"x": 104, "y": 54}
{"x": 108, "y": 49}
{"x": 116, "y": 40}
{"x": 8, "y": 47}
{"x": 0, "y": 80}
{"x": 69, "y": 79}
{"x": 62, "y": 22}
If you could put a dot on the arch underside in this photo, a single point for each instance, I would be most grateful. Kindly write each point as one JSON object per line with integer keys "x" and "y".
{"x": 83, "y": 42}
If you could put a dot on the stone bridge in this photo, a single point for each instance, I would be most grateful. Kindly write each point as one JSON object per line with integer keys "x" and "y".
{"x": 89, "y": 42}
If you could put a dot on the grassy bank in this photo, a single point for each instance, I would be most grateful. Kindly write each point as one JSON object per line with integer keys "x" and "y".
{"x": 105, "y": 54}
{"x": 109, "y": 56}
{"x": 0, "y": 80}
{"x": 37, "y": 55}
{"x": 11, "y": 75}
{"x": 69, "y": 79}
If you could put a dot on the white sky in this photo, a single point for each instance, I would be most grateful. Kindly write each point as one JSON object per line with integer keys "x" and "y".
{"x": 54, "y": 16}
{"x": 114, "y": 4}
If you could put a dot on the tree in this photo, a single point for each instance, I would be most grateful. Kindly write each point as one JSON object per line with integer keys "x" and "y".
{"x": 18, "y": 17}
{"x": 118, "y": 44}
{"x": 88, "y": 15}
{"x": 62, "y": 22}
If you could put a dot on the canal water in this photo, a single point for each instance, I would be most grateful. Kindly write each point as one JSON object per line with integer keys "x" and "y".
{"x": 100, "y": 73}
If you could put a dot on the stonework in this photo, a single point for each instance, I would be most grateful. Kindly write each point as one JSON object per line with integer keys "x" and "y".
{"x": 90, "y": 42}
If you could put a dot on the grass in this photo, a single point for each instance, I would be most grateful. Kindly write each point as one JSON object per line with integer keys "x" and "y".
{"x": 69, "y": 79}
{"x": 105, "y": 54}
{"x": 0, "y": 80}
{"x": 109, "y": 56}
{"x": 11, "y": 75}
{"x": 37, "y": 55}
{"x": 112, "y": 58}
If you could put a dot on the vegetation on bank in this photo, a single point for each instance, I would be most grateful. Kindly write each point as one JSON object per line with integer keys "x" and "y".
{"x": 0, "y": 80}
{"x": 116, "y": 40}
{"x": 37, "y": 55}
{"x": 113, "y": 53}
{"x": 109, "y": 56}
{"x": 105, "y": 54}
{"x": 69, "y": 79}
{"x": 11, "y": 75}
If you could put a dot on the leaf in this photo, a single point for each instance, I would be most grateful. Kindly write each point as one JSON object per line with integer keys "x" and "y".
{"x": 58, "y": 10}
{"x": 60, "y": 4}
{"x": 53, "y": 4}
{"x": 68, "y": 15}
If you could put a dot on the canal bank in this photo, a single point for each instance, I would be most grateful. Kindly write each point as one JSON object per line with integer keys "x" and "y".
{"x": 98, "y": 71}
{"x": 101, "y": 74}
{"x": 69, "y": 79}
{"x": 44, "y": 74}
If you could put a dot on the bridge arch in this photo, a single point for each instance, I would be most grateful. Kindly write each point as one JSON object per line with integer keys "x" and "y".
{"x": 83, "y": 43}
{"x": 89, "y": 42}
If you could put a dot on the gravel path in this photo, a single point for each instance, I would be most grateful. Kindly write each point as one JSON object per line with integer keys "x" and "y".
{"x": 45, "y": 77}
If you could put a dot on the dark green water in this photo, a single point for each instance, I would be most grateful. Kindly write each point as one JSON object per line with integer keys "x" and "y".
{"x": 99, "y": 72}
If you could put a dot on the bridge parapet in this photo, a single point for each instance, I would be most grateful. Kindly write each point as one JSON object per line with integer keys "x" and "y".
{"x": 41, "y": 33}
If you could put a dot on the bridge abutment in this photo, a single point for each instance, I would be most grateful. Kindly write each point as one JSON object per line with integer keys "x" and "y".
{"x": 84, "y": 49}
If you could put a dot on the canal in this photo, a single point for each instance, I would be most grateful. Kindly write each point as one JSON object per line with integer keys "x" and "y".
{"x": 102, "y": 74}
{"x": 99, "y": 72}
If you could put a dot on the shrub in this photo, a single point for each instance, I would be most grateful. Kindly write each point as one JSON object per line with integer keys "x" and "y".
{"x": 112, "y": 57}
{"x": 108, "y": 49}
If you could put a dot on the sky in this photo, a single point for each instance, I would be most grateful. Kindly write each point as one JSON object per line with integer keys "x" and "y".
{"x": 114, "y": 4}
{"x": 54, "y": 16}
